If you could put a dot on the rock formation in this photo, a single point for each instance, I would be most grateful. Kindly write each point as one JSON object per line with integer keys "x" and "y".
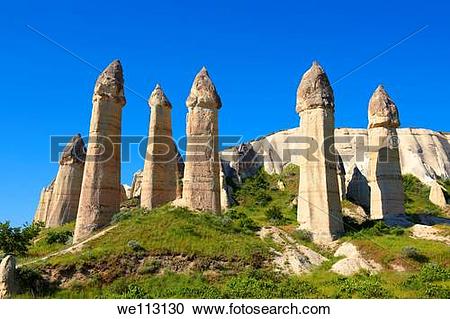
{"x": 384, "y": 173}
{"x": 44, "y": 203}
{"x": 136, "y": 184}
{"x": 319, "y": 205}
{"x": 159, "y": 183}
{"x": 7, "y": 277}
{"x": 437, "y": 195}
{"x": 423, "y": 153}
{"x": 67, "y": 187}
{"x": 201, "y": 183}
{"x": 101, "y": 189}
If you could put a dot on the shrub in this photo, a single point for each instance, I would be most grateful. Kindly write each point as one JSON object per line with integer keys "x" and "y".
{"x": 59, "y": 237}
{"x": 120, "y": 216}
{"x": 414, "y": 254}
{"x": 135, "y": 246}
{"x": 241, "y": 220}
{"x": 417, "y": 196}
{"x": 377, "y": 228}
{"x": 254, "y": 190}
{"x": 150, "y": 267}
{"x": 425, "y": 281}
{"x": 303, "y": 235}
{"x": 31, "y": 281}
{"x": 16, "y": 240}
{"x": 275, "y": 216}
{"x": 361, "y": 286}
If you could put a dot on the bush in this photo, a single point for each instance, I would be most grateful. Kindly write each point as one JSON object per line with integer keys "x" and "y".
{"x": 361, "y": 286}
{"x": 377, "y": 228}
{"x": 31, "y": 282}
{"x": 16, "y": 240}
{"x": 414, "y": 254}
{"x": 254, "y": 190}
{"x": 303, "y": 235}
{"x": 150, "y": 267}
{"x": 417, "y": 196}
{"x": 425, "y": 281}
{"x": 124, "y": 215}
{"x": 59, "y": 237}
{"x": 275, "y": 216}
{"x": 135, "y": 246}
{"x": 241, "y": 220}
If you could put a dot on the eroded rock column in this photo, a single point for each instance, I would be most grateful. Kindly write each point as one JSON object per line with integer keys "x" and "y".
{"x": 101, "y": 189}
{"x": 384, "y": 174}
{"x": 44, "y": 204}
{"x": 319, "y": 205}
{"x": 7, "y": 277}
{"x": 201, "y": 183}
{"x": 159, "y": 182}
{"x": 67, "y": 188}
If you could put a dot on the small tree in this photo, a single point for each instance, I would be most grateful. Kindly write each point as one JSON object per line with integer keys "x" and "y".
{"x": 16, "y": 240}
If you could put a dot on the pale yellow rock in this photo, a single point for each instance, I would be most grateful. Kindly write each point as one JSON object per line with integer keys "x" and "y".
{"x": 201, "y": 182}
{"x": 292, "y": 258}
{"x": 44, "y": 204}
{"x": 159, "y": 181}
{"x": 319, "y": 204}
{"x": 8, "y": 284}
{"x": 437, "y": 195}
{"x": 384, "y": 173}
{"x": 136, "y": 184}
{"x": 67, "y": 187}
{"x": 353, "y": 261}
{"x": 101, "y": 189}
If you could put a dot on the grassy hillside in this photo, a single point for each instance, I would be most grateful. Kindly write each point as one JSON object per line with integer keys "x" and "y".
{"x": 174, "y": 253}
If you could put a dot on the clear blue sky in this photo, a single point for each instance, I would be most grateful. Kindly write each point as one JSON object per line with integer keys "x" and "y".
{"x": 255, "y": 51}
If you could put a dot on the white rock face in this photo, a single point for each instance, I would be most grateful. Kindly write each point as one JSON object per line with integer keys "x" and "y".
{"x": 293, "y": 257}
{"x": 7, "y": 277}
{"x": 429, "y": 233}
{"x": 423, "y": 153}
{"x": 353, "y": 261}
{"x": 437, "y": 196}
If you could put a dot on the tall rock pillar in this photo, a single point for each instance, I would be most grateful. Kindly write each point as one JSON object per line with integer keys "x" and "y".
{"x": 319, "y": 205}
{"x": 101, "y": 189}
{"x": 67, "y": 188}
{"x": 384, "y": 174}
{"x": 201, "y": 183}
{"x": 159, "y": 181}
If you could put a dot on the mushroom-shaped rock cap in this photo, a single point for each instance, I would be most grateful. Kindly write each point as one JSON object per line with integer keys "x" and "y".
{"x": 314, "y": 91}
{"x": 203, "y": 92}
{"x": 74, "y": 152}
{"x": 158, "y": 98}
{"x": 382, "y": 110}
{"x": 110, "y": 81}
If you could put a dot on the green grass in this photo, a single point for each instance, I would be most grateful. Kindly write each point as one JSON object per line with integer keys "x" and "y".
{"x": 42, "y": 248}
{"x": 416, "y": 197}
{"x": 175, "y": 253}
{"x": 386, "y": 245}
{"x": 175, "y": 231}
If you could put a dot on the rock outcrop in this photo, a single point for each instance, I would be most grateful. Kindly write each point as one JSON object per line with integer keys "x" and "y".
{"x": 292, "y": 258}
{"x": 67, "y": 187}
{"x": 8, "y": 285}
{"x": 319, "y": 203}
{"x": 353, "y": 261}
{"x": 384, "y": 173}
{"x": 101, "y": 189}
{"x": 136, "y": 184}
{"x": 437, "y": 195}
{"x": 423, "y": 153}
{"x": 44, "y": 203}
{"x": 201, "y": 183}
{"x": 159, "y": 181}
